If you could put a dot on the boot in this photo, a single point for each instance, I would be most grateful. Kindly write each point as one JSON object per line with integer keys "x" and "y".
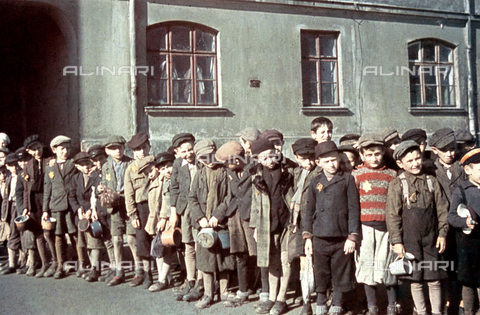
{"x": 51, "y": 270}
{"x": 148, "y": 281}
{"x": 184, "y": 289}
{"x": 138, "y": 278}
{"x": 92, "y": 276}
{"x": 196, "y": 293}
{"x": 118, "y": 279}
{"x": 59, "y": 273}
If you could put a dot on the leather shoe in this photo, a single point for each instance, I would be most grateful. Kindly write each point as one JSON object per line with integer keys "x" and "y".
{"x": 137, "y": 280}
{"x": 307, "y": 309}
{"x": 148, "y": 281}
{"x": 184, "y": 289}
{"x": 31, "y": 271}
{"x": 41, "y": 273}
{"x": 92, "y": 276}
{"x": 59, "y": 274}
{"x": 278, "y": 308}
{"x": 205, "y": 302}
{"x": 23, "y": 270}
{"x": 265, "y": 307}
{"x": 157, "y": 286}
{"x": 108, "y": 276}
{"x": 8, "y": 271}
{"x": 196, "y": 293}
{"x": 116, "y": 281}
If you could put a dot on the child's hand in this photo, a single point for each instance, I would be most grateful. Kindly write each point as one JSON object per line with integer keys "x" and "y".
{"x": 173, "y": 217}
{"x": 349, "y": 247}
{"x": 161, "y": 225}
{"x": 203, "y": 222}
{"x": 213, "y": 222}
{"x": 45, "y": 216}
{"x": 441, "y": 244}
{"x": 469, "y": 224}
{"x": 308, "y": 247}
{"x": 399, "y": 249}
{"x": 136, "y": 223}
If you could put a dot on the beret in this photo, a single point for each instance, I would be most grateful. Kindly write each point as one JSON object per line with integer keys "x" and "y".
{"x": 260, "y": 145}
{"x": 164, "y": 157}
{"x": 137, "y": 140}
{"x": 11, "y": 158}
{"x": 464, "y": 136}
{"x": 30, "y": 141}
{"x": 417, "y": 135}
{"x": 304, "y": 146}
{"x": 404, "y": 147}
{"x": 58, "y": 140}
{"x": 229, "y": 151}
{"x": 21, "y": 154}
{"x": 325, "y": 147}
{"x": 114, "y": 140}
{"x": 4, "y": 138}
{"x": 389, "y": 134}
{"x": 177, "y": 140}
{"x": 271, "y": 134}
{"x": 96, "y": 150}
{"x": 370, "y": 139}
{"x": 5, "y": 150}
{"x": 472, "y": 156}
{"x": 349, "y": 139}
{"x": 144, "y": 163}
{"x": 442, "y": 137}
{"x": 81, "y": 157}
{"x": 250, "y": 134}
{"x": 205, "y": 146}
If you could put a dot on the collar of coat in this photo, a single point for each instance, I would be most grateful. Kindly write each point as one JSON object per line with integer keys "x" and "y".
{"x": 286, "y": 180}
{"x": 456, "y": 170}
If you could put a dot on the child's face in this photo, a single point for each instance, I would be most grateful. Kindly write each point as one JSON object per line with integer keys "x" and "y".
{"x": 352, "y": 158}
{"x": 12, "y": 168}
{"x": 142, "y": 151}
{"x": 185, "y": 151}
{"x": 373, "y": 156}
{"x": 2, "y": 158}
{"x": 84, "y": 167}
{"x": 115, "y": 151}
{"x": 473, "y": 172}
{"x": 278, "y": 144}
{"x": 412, "y": 162}
{"x": 208, "y": 160}
{"x": 36, "y": 151}
{"x": 268, "y": 158}
{"x": 99, "y": 160}
{"x": 22, "y": 163}
{"x": 166, "y": 170}
{"x": 446, "y": 156}
{"x": 329, "y": 162}
{"x": 305, "y": 161}
{"x": 152, "y": 172}
{"x": 322, "y": 134}
{"x": 61, "y": 151}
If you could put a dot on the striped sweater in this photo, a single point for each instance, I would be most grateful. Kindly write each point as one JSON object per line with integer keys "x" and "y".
{"x": 372, "y": 185}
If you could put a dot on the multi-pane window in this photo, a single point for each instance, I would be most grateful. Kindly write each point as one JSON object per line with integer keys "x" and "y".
{"x": 319, "y": 68}
{"x": 431, "y": 74}
{"x": 184, "y": 61}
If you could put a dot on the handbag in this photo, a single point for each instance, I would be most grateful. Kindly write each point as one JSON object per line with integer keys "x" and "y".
{"x": 156, "y": 249}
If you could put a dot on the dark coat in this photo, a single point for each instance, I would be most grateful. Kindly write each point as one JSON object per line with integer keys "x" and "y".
{"x": 241, "y": 191}
{"x": 180, "y": 186}
{"x": 449, "y": 185}
{"x": 57, "y": 186}
{"x": 29, "y": 177}
{"x": 109, "y": 178}
{"x": 333, "y": 207}
{"x": 80, "y": 195}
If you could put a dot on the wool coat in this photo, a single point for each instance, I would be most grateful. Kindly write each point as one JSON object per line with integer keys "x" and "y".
{"x": 57, "y": 186}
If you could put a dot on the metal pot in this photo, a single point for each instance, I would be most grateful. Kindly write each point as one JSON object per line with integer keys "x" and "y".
{"x": 49, "y": 224}
{"x": 84, "y": 225}
{"x": 96, "y": 229}
{"x": 207, "y": 237}
{"x": 21, "y": 222}
{"x": 172, "y": 237}
{"x": 224, "y": 237}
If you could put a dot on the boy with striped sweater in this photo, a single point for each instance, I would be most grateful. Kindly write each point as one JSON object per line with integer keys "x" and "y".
{"x": 372, "y": 181}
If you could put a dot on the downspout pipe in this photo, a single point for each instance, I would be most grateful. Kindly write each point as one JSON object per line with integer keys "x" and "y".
{"x": 133, "y": 65}
{"x": 472, "y": 114}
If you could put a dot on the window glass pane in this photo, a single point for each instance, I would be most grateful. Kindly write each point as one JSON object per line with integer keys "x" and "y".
{"x": 181, "y": 38}
{"x": 310, "y": 94}
{"x": 328, "y": 72}
{"x": 205, "y": 68}
{"x": 157, "y": 91}
{"x": 329, "y": 94}
{"x": 156, "y": 38}
{"x": 447, "y": 95}
{"x": 413, "y": 52}
{"x": 430, "y": 75}
{"x": 327, "y": 46}
{"x": 309, "y": 45}
{"x": 446, "y": 75}
{"x": 206, "y": 92}
{"x": 445, "y": 54}
{"x": 181, "y": 67}
{"x": 414, "y": 74}
{"x": 182, "y": 91}
{"x": 204, "y": 41}
{"x": 415, "y": 94}
{"x": 309, "y": 71}
{"x": 431, "y": 95}
{"x": 429, "y": 51}
{"x": 159, "y": 64}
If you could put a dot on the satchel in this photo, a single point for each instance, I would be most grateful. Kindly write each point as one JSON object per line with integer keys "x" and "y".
{"x": 109, "y": 198}
{"x": 388, "y": 278}
{"x": 4, "y": 231}
{"x": 156, "y": 249}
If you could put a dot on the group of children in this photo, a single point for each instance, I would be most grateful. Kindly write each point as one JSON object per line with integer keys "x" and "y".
{"x": 354, "y": 208}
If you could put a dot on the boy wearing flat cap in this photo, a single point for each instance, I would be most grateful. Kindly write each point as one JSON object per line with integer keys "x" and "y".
{"x": 466, "y": 230}
{"x": 246, "y": 137}
{"x": 372, "y": 180}
{"x": 136, "y": 199}
{"x": 332, "y": 228}
{"x": 465, "y": 142}
{"x": 391, "y": 140}
{"x": 271, "y": 197}
{"x": 420, "y": 137}
{"x": 321, "y": 129}
{"x": 416, "y": 216}
{"x": 58, "y": 174}
{"x": 113, "y": 174}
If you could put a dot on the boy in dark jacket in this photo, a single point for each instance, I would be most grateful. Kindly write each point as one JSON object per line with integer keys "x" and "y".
{"x": 332, "y": 227}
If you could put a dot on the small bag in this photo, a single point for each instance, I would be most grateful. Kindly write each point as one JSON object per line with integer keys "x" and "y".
{"x": 156, "y": 249}
{"x": 388, "y": 278}
{"x": 109, "y": 198}
{"x": 4, "y": 231}
{"x": 308, "y": 278}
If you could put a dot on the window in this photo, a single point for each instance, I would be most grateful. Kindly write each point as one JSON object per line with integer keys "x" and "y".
{"x": 431, "y": 74}
{"x": 184, "y": 61}
{"x": 319, "y": 68}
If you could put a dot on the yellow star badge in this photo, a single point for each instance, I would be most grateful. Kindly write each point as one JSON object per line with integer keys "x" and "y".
{"x": 51, "y": 175}
{"x": 108, "y": 177}
{"x": 319, "y": 187}
{"x": 366, "y": 186}
{"x": 413, "y": 197}
{"x": 134, "y": 168}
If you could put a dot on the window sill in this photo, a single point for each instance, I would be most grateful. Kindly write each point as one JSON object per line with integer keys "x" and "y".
{"x": 325, "y": 110}
{"x": 187, "y": 111}
{"x": 437, "y": 111}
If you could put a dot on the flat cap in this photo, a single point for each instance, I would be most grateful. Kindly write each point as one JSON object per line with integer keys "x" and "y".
{"x": 204, "y": 146}
{"x": 144, "y": 163}
{"x": 137, "y": 140}
{"x": 164, "y": 157}
{"x": 325, "y": 147}
{"x": 271, "y": 134}
{"x": 4, "y": 138}
{"x": 58, "y": 140}
{"x": 472, "y": 156}
{"x": 30, "y": 141}
{"x": 96, "y": 150}
{"x": 348, "y": 148}
{"x": 304, "y": 146}
{"x": 417, "y": 135}
{"x": 81, "y": 157}
{"x": 177, "y": 140}
{"x": 22, "y": 154}
{"x": 349, "y": 139}
{"x": 260, "y": 145}
{"x": 462, "y": 136}
{"x": 371, "y": 139}
{"x": 11, "y": 159}
{"x": 442, "y": 137}
{"x": 250, "y": 134}
{"x": 405, "y": 147}
{"x": 230, "y": 151}
{"x": 388, "y": 134}
{"x": 114, "y": 140}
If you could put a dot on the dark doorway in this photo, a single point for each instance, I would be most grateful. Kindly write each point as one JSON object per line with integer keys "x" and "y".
{"x": 34, "y": 94}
